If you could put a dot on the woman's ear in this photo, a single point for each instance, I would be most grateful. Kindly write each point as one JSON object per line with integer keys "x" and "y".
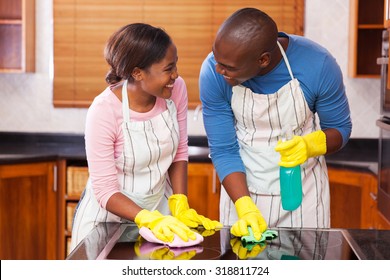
{"x": 137, "y": 74}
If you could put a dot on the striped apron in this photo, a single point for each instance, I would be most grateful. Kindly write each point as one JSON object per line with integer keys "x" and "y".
{"x": 259, "y": 122}
{"x": 142, "y": 169}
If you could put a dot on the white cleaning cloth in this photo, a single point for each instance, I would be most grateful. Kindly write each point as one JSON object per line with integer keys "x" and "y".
{"x": 147, "y": 234}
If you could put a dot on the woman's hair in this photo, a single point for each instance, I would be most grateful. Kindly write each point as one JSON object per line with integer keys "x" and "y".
{"x": 134, "y": 45}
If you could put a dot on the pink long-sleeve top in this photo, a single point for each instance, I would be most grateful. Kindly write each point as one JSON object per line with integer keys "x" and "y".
{"x": 104, "y": 137}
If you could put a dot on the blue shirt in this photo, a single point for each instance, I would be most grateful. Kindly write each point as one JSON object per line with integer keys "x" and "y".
{"x": 320, "y": 78}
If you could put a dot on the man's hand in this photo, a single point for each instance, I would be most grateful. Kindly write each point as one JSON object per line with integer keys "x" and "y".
{"x": 248, "y": 216}
{"x": 297, "y": 150}
{"x": 244, "y": 253}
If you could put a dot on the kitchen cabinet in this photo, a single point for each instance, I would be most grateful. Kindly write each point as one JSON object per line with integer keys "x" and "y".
{"x": 81, "y": 29}
{"x": 204, "y": 189}
{"x": 353, "y": 198}
{"x": 28, "y": 211}
{"x": 387, "y": 13}
{"x": 365, "y": 41}
{"x": 74, "y": 179}
{"x": 17, "y": 36}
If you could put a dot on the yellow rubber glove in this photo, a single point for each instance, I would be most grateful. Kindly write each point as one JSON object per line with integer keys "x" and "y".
{"x": 159, "y": 252}
{"x": 163, "y": 227}
{"x": 248, "y": 215}
{"x": 206, "y": 232}
{"x": 297, "y": 150}
{"x": 178, "y": 204}
{"x": 244, "y": 253}
{"x": 167, "y": 254}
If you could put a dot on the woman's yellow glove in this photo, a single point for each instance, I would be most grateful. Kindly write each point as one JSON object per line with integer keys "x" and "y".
{"x": 297, "y": 150}
{"x": 153, "y": 251}
{"x": 167, "y": 254}
{"x": 205, "y": 232}
{"x": 178, "y": 204}
{"x": 163, "y": 227}
{"x": 248, "y": 216}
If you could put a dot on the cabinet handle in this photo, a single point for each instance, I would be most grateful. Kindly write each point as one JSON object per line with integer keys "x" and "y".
{"x": 384, "y": 124}
{"x": 55, "y": 178}
{"x": 382, "y": 60}
{"x": 373, "y": 196}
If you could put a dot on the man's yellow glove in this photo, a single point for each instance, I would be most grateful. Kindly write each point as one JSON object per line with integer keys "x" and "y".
{"x": 244, "y": 253}
{"x": 163, "y": 227}
{"x": 297, "y": 150}
{"x": 248, "y": 216}
{"x": 178, "y": 204}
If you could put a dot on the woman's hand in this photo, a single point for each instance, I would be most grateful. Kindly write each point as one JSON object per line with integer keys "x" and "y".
{"x": 163, "y": 227}
{"x": 178, "y": 204}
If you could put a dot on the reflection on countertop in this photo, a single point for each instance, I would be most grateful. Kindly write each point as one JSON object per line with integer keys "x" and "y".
{"x": 122, "y": 242}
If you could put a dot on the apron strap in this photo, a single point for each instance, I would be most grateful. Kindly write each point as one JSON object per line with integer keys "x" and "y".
{"x": 125, "y": 103}
{"x": 170, "y": 105}
{"x": 285, "y": 59}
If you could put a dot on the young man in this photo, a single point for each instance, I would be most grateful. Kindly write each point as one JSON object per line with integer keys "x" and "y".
{"x": 255, "y": 83}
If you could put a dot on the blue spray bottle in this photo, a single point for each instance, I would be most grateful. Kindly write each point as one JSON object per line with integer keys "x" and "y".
{"x": 290, "y": 180}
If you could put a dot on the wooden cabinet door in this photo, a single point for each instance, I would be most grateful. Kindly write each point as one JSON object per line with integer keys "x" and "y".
{"x": 365, "y": 37}
{"x": 387, "y": 13}
{"x": 204, "y": 189}
{"x": 28, "y": 211}
{"x": 352, "y": 198}
{"x": 17, "y": 27}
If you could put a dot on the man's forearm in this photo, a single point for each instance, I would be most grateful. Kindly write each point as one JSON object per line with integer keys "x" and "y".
{"x": 235, "y": 185}
{"x": 334, "y": 140}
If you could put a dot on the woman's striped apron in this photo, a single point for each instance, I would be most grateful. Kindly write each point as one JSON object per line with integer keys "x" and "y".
{"x": 148, "y": 151}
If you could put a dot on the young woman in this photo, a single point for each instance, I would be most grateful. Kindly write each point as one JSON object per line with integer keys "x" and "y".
{"x": 136, "y": 141}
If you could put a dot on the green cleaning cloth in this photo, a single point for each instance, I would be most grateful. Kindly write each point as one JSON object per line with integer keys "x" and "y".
{"x": 250, "y": 239}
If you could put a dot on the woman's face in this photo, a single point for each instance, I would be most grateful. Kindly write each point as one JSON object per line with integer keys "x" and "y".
{"x": 159, "y": 78}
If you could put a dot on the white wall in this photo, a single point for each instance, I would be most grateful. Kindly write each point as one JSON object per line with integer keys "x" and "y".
{"x": 327, "y": 23}
{"x": 26, "y": 99}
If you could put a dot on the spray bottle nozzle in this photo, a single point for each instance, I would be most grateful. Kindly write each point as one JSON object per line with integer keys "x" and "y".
{"x": 287, "y": 133}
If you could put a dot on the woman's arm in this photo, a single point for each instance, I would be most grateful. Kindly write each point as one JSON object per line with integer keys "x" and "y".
{"x": 178, "y": 173}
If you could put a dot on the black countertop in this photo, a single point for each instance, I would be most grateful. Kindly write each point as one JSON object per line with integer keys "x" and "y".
{"x": 359, "y": 153}
{"x": 35, "y": 147}
{"x": 20, "y": 147}
{"x": 370, "y": 244}
{"x": 122, "y": 242}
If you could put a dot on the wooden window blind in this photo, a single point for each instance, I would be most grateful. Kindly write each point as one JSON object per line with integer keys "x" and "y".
{"x": 81, "y": 28}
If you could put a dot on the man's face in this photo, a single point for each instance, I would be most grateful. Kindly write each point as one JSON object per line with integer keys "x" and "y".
{"x": 235, "y": 62}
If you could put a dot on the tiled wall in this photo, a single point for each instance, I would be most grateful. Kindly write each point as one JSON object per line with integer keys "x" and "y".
{"x": 26, "y": 99}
